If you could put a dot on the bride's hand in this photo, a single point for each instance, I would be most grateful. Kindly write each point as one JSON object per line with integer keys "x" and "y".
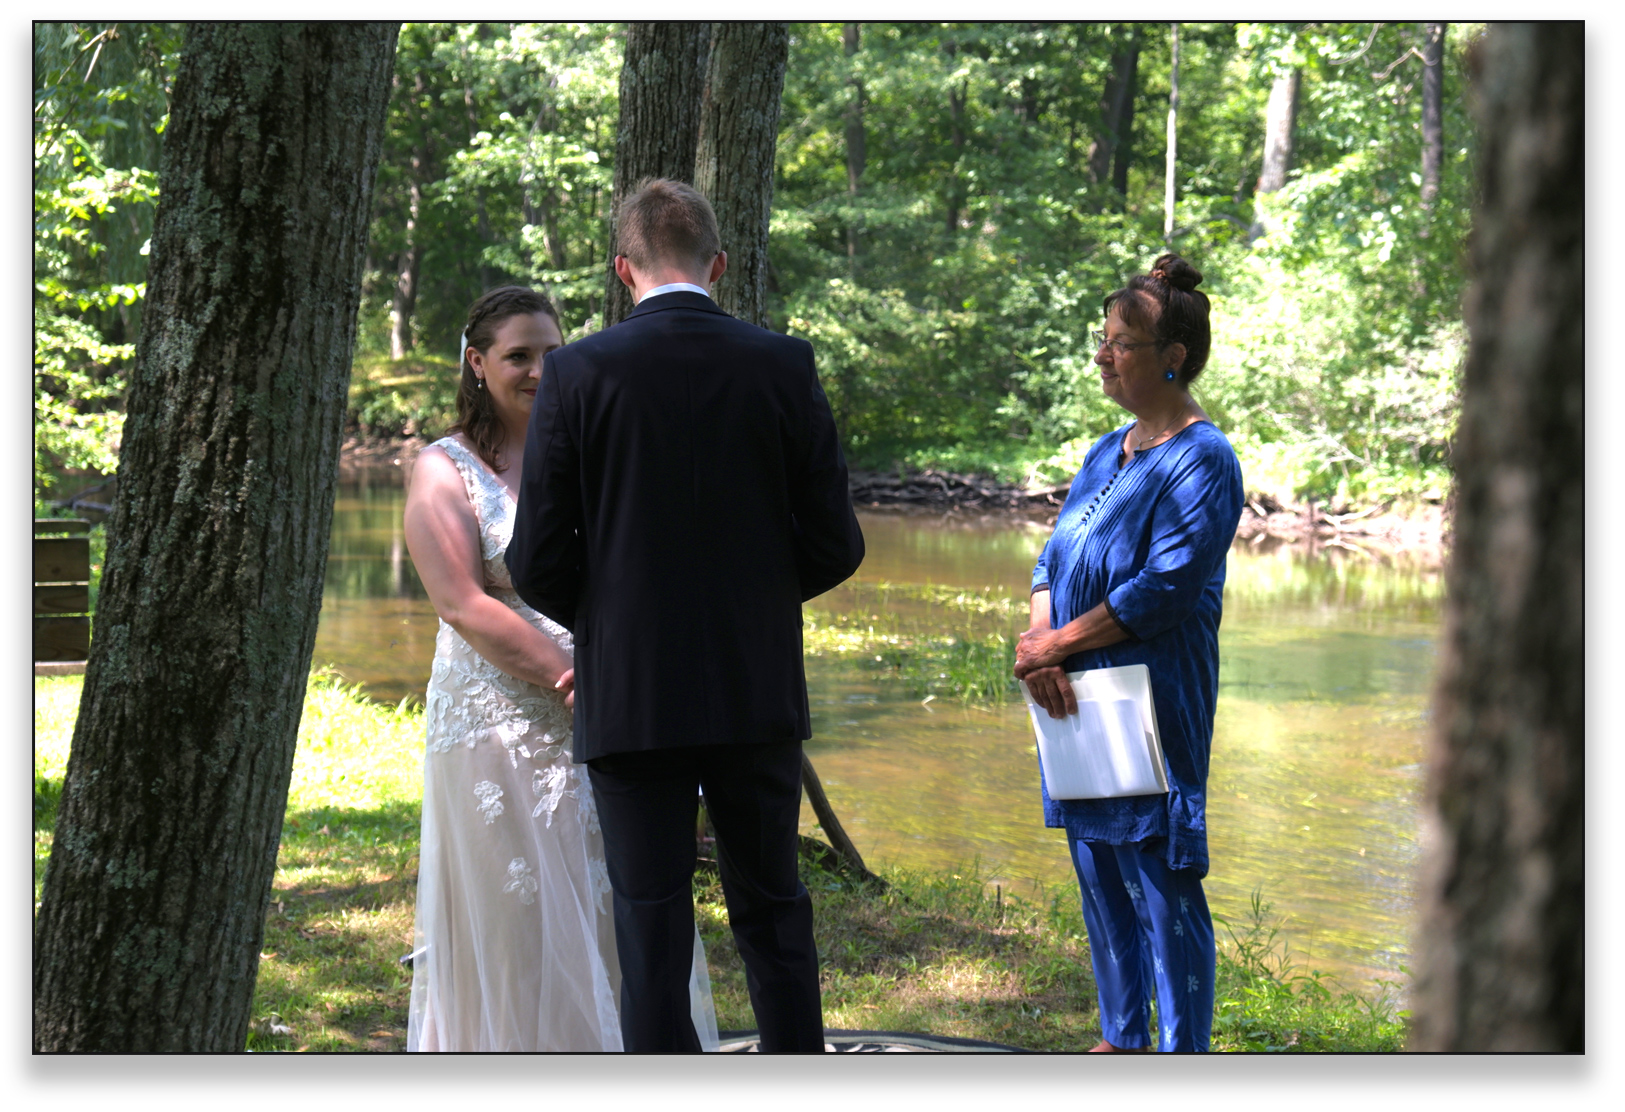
{"x": 567, "y": 684}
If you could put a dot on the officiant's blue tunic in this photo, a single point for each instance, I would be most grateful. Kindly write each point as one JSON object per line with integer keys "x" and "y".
{"x": 1149, "y": 540}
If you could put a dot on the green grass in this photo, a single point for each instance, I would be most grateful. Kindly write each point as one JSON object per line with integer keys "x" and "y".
{"x": 933, "y": 951}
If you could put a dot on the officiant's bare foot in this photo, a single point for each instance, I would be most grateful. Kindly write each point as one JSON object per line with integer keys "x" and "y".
{"x": 1107, "y": 1048}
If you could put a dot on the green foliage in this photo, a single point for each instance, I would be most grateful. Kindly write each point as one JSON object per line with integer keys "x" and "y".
{"x": 404, "y": 397}
{"x": 1262, "y": 1002}
{"x": 949, "y": 295}
{"x": 100, "y": 104}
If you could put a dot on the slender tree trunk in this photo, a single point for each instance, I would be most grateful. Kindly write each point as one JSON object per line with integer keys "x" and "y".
{"x": 1501, "y": 945}
{"x": 481, "y": 215}
{"x": 956, "y": 185}
{"x": 856, "y": 152}
{"x": 1280, "y": 116}
{"x": 148, "y": 934}
{"x": 739, "y": 131}
{"x": 1173, "y": 150}
{"x": 662, "y": 87}
{"x": 1123, "y": 154}
{"x": 405, "y": 300}
{"x": 1432, "y": 110}
{"x": 1116, "y": 111}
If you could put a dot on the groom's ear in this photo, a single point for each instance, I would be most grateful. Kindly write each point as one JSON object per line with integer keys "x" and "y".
{"x": 623, "y": 271}
{"x": 718, "y": 265}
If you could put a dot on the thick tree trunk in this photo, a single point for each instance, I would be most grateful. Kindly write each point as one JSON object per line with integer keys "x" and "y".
{"x": 739, "y": 132}
{"x": 1116, "y": 115}
{"x": 148, "y": 935}
{"x": 1500, "y": 948}
{"x": 661, "y": 90}
{"x": 857, "y": 153}
{"x": 1432, "y": 110}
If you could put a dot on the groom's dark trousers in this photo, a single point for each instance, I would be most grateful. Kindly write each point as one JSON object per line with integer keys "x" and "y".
{"x": 683, "y": 492}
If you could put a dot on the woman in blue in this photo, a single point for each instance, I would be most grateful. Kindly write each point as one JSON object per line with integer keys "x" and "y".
{"x": 1134, "y": 574}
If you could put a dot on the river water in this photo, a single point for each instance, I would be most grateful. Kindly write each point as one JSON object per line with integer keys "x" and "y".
{"x": 1326, "y": 666}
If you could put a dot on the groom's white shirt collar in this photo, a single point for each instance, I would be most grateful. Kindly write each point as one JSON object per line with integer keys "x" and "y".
{"x": 673, "y": 287}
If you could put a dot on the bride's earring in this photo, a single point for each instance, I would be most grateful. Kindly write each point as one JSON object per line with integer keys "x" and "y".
{"x": 479, "y": 383}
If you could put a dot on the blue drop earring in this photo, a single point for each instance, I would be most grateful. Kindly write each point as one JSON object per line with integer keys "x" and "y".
{"x": 1169, "y": 375}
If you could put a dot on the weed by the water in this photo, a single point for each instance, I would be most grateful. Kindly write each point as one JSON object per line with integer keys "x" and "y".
{"x": 1262, "y": 1002}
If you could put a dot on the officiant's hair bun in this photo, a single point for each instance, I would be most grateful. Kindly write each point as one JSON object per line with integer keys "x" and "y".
{"x": 1166, "y": 303}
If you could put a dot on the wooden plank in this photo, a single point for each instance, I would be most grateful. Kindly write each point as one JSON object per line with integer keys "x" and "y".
{"x": 62, "y": 598}
{"x": 59, "y": 667}
{"x": 48, "y": 525}
{"x": 61, "y": 559}
{"x": 61, "y": 638}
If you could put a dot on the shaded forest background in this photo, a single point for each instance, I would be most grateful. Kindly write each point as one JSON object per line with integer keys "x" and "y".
{"x": 952, "y": 201}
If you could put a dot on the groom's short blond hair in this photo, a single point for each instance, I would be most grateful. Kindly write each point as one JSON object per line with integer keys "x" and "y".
{"x": 667, "y": 221}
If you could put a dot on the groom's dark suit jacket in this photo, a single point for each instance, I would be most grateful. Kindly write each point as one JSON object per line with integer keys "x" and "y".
{"x": 683, "y": 493}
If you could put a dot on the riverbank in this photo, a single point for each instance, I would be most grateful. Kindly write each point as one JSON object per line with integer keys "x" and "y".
{"x": 1415, "y": 533}
{"x": 934, "y": 951}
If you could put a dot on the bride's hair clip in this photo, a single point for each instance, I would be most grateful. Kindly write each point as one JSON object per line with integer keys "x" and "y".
{"x": 462, "y": 349}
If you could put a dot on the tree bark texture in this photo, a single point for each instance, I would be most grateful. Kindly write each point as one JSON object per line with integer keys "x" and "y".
{"x": 1280, "y": 116}
{"x": 661, "y": 89}
{"x": 1500, "y": 949}
{"x": 739, "y": 132}
{"x": 857, "y": 153}
{"x": 1432, "y": 110}
{"x": 1116, "y": 116}
{"x": 148, "y": 934}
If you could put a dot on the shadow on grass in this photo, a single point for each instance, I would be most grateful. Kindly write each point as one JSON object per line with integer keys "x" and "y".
{"x": 340, "y": 918}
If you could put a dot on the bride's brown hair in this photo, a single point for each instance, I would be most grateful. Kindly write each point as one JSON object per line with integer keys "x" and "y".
{"x": 477, "y": 416}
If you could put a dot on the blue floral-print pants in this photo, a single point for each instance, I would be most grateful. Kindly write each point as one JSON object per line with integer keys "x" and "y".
{"x": 1149, "y": 928}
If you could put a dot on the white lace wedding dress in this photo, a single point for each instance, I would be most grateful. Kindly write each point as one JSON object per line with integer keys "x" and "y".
{"x": 514, "y": 946}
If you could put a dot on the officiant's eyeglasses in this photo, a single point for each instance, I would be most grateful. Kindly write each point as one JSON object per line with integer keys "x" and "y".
{"x": 1118, "y": 347}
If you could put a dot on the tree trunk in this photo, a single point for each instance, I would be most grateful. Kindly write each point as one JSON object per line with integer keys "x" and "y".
{"x": 1173, "y": 149}
{"x": 1500, "y": 948}
{"x": 956, "y": 186}
{"x": 739, "y": 132}
{"x": 662, "y": 86}
{"x": 405, "y": 300}
{"x": 148, "y": 935}
{"x": 481, "y": 213}
{"x": 1432, "y": 110}
{"x": 856, "y": 152}
{"x": 1116, "y": 114}
{"x": 1280, "y": 115}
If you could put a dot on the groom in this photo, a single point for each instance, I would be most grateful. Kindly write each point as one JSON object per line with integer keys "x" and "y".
{"x": 683, "y": 493}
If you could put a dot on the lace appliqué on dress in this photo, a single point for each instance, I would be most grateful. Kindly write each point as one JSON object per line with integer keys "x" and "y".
{"x": 521, "y": 881}
{"x": 490, "y": 797}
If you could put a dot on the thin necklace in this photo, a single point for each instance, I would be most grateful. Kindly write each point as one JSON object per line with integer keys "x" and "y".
{"x": 1142, "y": 442}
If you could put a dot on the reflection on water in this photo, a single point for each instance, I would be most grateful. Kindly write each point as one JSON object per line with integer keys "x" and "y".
{"x": 1327, "y": 662}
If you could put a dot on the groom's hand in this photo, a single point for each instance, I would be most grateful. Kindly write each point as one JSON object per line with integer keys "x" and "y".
{"x": 567, "y": 684}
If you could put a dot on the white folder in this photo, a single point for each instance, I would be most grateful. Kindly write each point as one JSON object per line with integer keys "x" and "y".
{"x": 1111, "y": 746}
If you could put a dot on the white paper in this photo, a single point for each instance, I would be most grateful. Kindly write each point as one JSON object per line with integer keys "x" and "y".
{"x": 1111, "y": 746}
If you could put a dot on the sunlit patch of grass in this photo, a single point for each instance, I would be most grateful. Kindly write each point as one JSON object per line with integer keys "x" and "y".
{"x": 930, "y": 953}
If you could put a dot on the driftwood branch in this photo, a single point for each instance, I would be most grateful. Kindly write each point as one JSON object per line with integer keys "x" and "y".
{"x": 833, "y": 830}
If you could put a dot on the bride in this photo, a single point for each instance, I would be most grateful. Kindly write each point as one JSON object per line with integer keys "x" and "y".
{"x": 514, "y": 945}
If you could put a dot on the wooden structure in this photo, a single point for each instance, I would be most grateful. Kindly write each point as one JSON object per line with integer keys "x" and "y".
{"x": 61, "y": 590}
